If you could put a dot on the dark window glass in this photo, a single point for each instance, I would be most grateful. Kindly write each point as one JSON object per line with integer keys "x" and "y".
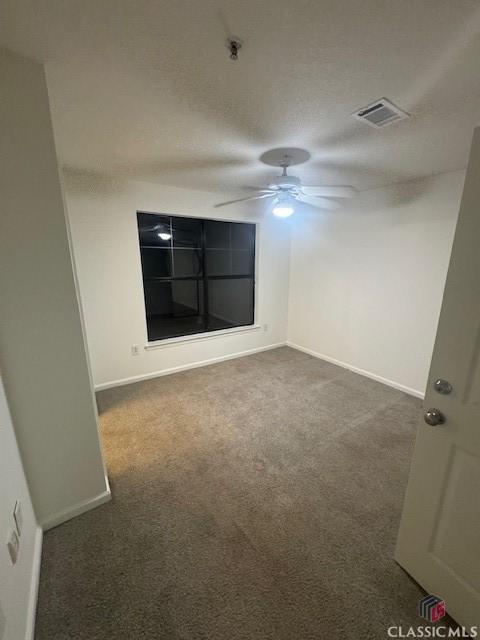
{"x": 230, "y": 301}
{"x": 187, "y": 262}
{"x": 156, "y": 262}
{"x": 217, "y": 234}
{"x": 224, "y": 262}
{"x": 198, "y": 275}
{"x": 187, "y": 232}
{"x": 155, "y": 231}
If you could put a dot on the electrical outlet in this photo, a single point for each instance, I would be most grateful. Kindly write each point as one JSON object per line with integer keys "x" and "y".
{"x": 265, "y": 327}
{"x": 13, "y": 544}
{"x": 18, "y": 517}
{"x": 135, "y": 350}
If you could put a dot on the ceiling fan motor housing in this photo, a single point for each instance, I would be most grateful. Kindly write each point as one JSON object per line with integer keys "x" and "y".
{"x": 285, "y": 182}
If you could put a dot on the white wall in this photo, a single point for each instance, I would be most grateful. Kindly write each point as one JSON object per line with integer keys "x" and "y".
{"x": 105, "y": 245}
{"x": 42, "y": 349}
{"x": 19, "y": 581}
{"x": 367, "y": 282}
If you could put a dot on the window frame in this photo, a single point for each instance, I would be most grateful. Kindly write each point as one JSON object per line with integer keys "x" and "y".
{"x": 215, "y": 333}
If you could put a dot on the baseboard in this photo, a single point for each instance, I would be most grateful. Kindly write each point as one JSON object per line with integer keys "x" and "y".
{"x": 184, "y": 367}
{"x": 362, "y": 372}
{"x": 55, "y": 520}
{"x": 34, "y": 581}
{"x": 76, "y": 510}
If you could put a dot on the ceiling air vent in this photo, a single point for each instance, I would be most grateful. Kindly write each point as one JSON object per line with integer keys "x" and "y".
{"x": 380, "y": 114}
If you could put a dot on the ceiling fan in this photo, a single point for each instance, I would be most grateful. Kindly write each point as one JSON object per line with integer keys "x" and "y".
{"x": 287, "y": 190}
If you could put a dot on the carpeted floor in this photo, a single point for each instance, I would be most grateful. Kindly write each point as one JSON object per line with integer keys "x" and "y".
{"x": 257, "y": 499}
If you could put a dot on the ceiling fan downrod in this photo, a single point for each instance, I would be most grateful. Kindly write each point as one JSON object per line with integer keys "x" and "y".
{"x": 285, "y": 163}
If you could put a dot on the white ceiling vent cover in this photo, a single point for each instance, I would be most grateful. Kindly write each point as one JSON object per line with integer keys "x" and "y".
{"x": 380, "y": 113}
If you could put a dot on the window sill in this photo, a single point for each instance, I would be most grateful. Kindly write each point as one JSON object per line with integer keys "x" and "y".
{"x": 197, "y": 337}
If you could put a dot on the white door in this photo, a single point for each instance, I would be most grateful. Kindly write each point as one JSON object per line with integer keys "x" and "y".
{"x": 439, "y": 537}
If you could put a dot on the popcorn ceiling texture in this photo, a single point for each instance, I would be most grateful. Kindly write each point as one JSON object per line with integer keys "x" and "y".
{"x": 147, "y": 90}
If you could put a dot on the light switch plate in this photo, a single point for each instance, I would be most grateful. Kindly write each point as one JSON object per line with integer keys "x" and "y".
{"x": 18, "y": 517}
{"x": 13, "y": 544}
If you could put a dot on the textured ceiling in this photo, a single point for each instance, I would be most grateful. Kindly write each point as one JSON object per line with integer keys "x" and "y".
{"x": 146, "y": 89}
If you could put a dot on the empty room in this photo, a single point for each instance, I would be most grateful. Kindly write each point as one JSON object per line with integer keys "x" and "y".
{"x": 239, "y": 319}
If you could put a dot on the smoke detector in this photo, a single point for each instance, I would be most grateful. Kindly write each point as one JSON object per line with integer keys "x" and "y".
{"x": 380, "y": 113}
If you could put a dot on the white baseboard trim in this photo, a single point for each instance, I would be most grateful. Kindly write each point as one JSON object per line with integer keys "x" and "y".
{"x": 184, "y": 367}
{"x": 76, "y": 510}
{"x": 362, "y": 372}
{"x": 34, "y": 582}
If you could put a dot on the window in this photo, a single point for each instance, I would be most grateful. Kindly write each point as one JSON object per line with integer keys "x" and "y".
{"x": 198, "y": 275}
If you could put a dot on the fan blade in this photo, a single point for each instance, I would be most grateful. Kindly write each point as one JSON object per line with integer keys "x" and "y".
{"x": 330, "y": 192}
{"x": 224, "y": 204}
{"x": 321, "y": 203}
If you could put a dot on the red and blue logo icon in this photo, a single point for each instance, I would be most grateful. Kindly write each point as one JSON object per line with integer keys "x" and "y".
{"x": 432, "y": 608}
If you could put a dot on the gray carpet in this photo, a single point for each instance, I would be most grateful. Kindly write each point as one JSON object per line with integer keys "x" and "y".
{"x": 257, "y": 499}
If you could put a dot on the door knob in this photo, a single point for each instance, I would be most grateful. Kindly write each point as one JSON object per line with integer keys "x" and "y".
{"x": 434, "y": 417}
{"x": 443, "y": 387}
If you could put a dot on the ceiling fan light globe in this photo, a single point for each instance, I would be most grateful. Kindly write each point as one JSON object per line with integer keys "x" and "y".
{"x": 283, "y": 210}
